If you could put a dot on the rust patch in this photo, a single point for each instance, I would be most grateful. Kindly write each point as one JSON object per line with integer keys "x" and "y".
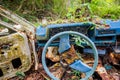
{"x": 57, "y": 70}
{"x": 70, "y": 56}
{"x": 14, "y": 55}
{"x": 53, "y": 54}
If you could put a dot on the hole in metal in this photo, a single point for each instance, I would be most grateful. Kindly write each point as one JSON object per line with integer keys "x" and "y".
{"x": 16, "y": 63}
{"x": 15, "y": 48}
{"x": 1, "y": 73}
{"x": 2, "y": 52}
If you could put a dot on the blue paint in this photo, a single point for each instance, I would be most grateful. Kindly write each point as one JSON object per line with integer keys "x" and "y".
{"x": 43, "y": 33}
{"x": 115, "y": 25}
{"x": 88, "y": 50}
{"x": 64, "y": 43}
{"x": 80, "y": 66}
{"x": 106, "y": 35}
{"x": 107, "y": 67}
{"x": 40, "y": 31}
{"x": 109, "y": 35}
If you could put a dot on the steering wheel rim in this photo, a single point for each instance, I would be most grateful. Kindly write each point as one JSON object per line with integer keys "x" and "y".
{"x": 88, "y": 74}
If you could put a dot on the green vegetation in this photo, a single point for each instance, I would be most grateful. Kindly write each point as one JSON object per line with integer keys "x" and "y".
{"x": 76, "y": 73}
{"x": 106, "y": 8}
{"x": 21, "y": 75}
{"x": 33, "y": 10}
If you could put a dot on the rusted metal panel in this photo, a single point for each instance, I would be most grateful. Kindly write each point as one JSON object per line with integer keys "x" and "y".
{"x": 20, "y": 25}
{"x": 15, "y": 55}
{"x": 25, "y": 25}
{"x": 57, "y": 70}
{"x": 114, "y": 58}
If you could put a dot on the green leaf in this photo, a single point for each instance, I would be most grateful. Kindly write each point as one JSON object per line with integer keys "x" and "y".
{"x": 21, "y": 75}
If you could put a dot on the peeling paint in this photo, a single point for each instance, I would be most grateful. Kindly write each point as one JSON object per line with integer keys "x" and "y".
{"x": 14, "y": 48}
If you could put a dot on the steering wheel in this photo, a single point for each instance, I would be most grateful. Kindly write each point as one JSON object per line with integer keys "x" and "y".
{"x": 63, "y": 46}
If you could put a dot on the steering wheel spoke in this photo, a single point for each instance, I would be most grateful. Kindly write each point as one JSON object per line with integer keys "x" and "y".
{"x": 64, "y": 43}
{"x": 80, "y": 66}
